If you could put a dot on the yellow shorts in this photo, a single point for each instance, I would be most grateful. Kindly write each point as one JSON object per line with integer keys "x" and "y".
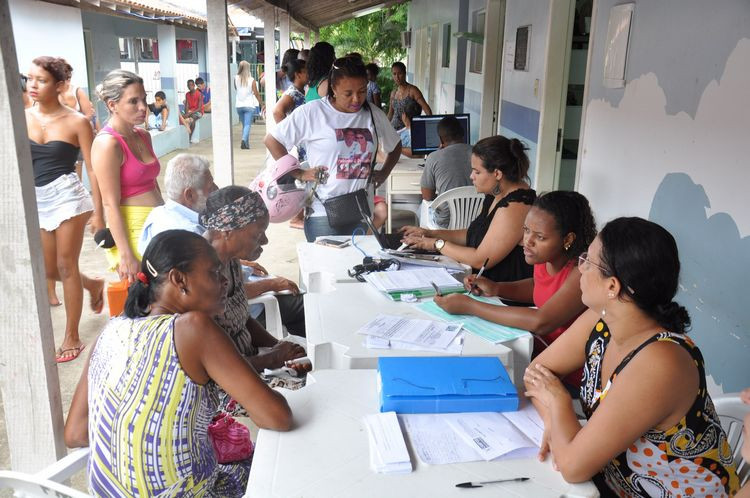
{"x": 135, "y": 218}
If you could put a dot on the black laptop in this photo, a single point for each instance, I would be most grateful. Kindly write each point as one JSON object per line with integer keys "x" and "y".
{"x": 390, "y": 242}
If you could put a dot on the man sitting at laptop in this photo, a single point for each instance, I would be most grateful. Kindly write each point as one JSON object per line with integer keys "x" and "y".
{"x": 447, "y": 168}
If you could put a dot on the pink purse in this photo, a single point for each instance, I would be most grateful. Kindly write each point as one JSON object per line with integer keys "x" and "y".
{"x": 230, "y": 439}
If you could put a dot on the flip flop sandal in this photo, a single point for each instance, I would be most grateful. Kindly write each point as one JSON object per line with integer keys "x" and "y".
{"x": 64, "y": 359}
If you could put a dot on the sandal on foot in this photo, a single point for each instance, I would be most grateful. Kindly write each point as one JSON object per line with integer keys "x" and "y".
{"x": 64, "y": 359}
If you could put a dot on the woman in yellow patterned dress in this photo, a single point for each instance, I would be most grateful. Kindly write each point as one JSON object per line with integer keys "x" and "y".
{"x": 652, "y": 429}
{"x": 150, "y": 387}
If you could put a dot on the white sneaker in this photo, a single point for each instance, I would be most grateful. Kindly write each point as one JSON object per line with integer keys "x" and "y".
{"x": 194, "y": 141}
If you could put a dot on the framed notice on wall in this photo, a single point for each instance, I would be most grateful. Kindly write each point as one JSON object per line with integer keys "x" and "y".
{"x": 521, "y": 59}
{"x": 616, "y": 46}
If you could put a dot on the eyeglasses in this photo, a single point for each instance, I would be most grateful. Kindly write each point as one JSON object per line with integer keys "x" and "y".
{"x": 584, "y": 263}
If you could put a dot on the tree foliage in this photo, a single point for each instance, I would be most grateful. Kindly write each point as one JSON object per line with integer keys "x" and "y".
{"x": 376, "y": 36}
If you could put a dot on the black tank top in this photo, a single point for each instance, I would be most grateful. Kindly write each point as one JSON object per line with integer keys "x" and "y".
{"x": 513, "y": 267}
{"x": 52, "y": 160}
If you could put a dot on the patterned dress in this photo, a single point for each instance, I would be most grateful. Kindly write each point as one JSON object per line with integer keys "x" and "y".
{"x": 299, "y": 100}
{"x": 236, "y": 314}
{"x": 692, "y": 458}
{"x": 148, "y": 420}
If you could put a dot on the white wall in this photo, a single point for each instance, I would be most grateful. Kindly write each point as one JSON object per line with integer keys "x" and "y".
{"x": 673, "y": 146}
{"x": 520, "y": 104}
{"x": 41, "y": 28}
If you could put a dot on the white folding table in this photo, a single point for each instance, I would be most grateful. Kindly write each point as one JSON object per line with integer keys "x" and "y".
{"x": 326, "y": 454}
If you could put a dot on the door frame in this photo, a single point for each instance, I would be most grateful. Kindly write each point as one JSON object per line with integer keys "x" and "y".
{"x": 492, "y": 67}
{"x": 554, "y": 94}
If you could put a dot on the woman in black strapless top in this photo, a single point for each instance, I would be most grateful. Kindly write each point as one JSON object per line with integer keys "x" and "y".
{"x": 499, "y": 168}
{"x": 56, "y": 134}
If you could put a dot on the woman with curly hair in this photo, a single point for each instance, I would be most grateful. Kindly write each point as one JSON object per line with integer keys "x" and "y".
{"x": 558, "y": 228}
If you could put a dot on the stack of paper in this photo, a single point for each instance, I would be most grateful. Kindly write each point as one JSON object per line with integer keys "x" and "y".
{"x": 490, "y": 331}
{"x": 389, "y": 331}
{"x": 467, "y": 437}
{"x": 388, "y": 453}
{"x": 415, "y": 282}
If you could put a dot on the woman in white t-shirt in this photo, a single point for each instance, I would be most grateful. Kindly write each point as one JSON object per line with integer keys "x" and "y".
{"x": 247, "y": 100}
{"x": 327, "y": 129}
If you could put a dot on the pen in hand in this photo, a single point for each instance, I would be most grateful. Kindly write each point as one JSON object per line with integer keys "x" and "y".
{"x": 479, "y": 274}
{"x": 480, "y": 484}
{"x": 437, "y": 289}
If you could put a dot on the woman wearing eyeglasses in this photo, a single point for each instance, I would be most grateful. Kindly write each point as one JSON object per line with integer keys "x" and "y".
{"x": 326, "y": 128}
{"x": 557, "y": 229}
{"x": 652, "y": 429}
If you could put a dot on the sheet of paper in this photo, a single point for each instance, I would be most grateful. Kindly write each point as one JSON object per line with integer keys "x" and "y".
{"x": 424, "y": 333}
{"x": 528, "y": 421}
{"x": 434, "y": 441}
{"x": 402, "y": 280}
{"x": 492, "y": 332}
{"x": 456, "y": 347}
{"x": 388, "y": 451}
{"x": 489, "y": 433}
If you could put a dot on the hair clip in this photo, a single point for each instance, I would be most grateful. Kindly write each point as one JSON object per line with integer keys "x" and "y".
{"x": 151, "y": 269}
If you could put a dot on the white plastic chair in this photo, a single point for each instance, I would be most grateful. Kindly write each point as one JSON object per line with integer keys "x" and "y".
{"x": 273, "y": 314}
{"x": 732, "y": 412}
{"x": 464, "y": 204}
{"x": 48, "y": 481}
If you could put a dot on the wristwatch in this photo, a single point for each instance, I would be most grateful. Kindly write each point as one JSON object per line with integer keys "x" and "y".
{"x": 439, "y": 244}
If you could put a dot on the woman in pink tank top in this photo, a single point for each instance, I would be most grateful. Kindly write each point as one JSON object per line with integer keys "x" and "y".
{"x": 127, "y": 168}
{"x": 558, "y": 228}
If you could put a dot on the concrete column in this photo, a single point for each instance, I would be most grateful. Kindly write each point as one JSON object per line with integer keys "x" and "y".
{"x": 283, "y": 33}
{"x": 307, "y": 39}
{"x": 168, "y": 69}
{"x": 28, "y": 373}
{"x": 221, "y": 106}
{"x": 234, "y": 50}
{"x": 269, "y": 63}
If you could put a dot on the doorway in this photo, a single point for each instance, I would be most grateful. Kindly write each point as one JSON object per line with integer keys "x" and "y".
{"x": 563, "y": 97}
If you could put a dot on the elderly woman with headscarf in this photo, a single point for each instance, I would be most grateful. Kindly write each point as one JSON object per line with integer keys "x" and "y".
{"x": 236, "y": 220}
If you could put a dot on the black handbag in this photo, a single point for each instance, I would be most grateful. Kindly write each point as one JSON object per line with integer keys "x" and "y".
{"x": 344, "y": 210}
{"x": 347, "y": 209}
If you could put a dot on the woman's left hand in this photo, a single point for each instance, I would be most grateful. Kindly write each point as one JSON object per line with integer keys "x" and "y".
{"x": 420, "y": 242}
{"x": 379, "y": 178}
{"x": 455, "y": 304}
{"x": 544, "y": 386}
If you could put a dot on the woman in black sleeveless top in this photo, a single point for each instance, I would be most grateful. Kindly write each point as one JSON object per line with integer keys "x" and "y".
{"x": 499, "y": 168}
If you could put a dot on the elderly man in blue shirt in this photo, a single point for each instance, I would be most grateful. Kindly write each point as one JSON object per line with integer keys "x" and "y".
{"x": 187, "y": 182}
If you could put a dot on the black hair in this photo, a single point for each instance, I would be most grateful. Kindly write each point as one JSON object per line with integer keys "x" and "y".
{"x": 56, "y": 66}
{"x": 222, "y": 197}
{"x": 176, "y": 249}
{"x": 572, "y": 214}
{"x": 160, "y": 95}
{"x": 319, "y": 61}
{"x": 293, "y": 67}
{"x": 190, "y": 81}
{"x": 504, "y": 154}
{"x": 643, "y": 256}
{"x": 399, "y": 65}
{"x": 356, "y": 55}
{"x": 199, "y": 80}
{"x": 345, "y": 67}
{"x": 373, "y": 68}
{"x": 412, "y": 109}
{"x": 450, "y": 130}
{"x": 290, "y": 55}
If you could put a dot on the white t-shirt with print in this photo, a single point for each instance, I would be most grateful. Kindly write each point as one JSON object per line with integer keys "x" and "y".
{"x": 321, "y": 130}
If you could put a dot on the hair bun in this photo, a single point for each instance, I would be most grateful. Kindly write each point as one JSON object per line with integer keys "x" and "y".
{"x": 673, "y": 317}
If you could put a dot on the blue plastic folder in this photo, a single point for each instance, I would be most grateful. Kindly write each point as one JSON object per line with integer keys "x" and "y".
{"x": 445, "y": 385}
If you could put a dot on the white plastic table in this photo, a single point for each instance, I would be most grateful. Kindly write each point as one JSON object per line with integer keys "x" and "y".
{"x": 333, "y": 318}
{"x": 326, "y": 454}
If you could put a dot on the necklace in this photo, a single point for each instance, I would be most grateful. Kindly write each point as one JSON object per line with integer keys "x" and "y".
{"x": 43, "y": 123}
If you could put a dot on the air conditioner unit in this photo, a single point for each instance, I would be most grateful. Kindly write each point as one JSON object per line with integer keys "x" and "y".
{"x": 406, "y": 39}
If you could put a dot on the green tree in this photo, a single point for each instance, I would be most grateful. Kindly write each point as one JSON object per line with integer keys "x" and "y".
{"x": 376, "y": 36}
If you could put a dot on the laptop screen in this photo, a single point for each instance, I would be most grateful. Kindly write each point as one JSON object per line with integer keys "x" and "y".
{"x": 424, "y": 135}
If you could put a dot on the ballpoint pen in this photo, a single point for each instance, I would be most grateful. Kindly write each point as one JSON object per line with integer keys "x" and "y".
{"x": 480, "y": 484}
{"x": 479, "y": 274}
